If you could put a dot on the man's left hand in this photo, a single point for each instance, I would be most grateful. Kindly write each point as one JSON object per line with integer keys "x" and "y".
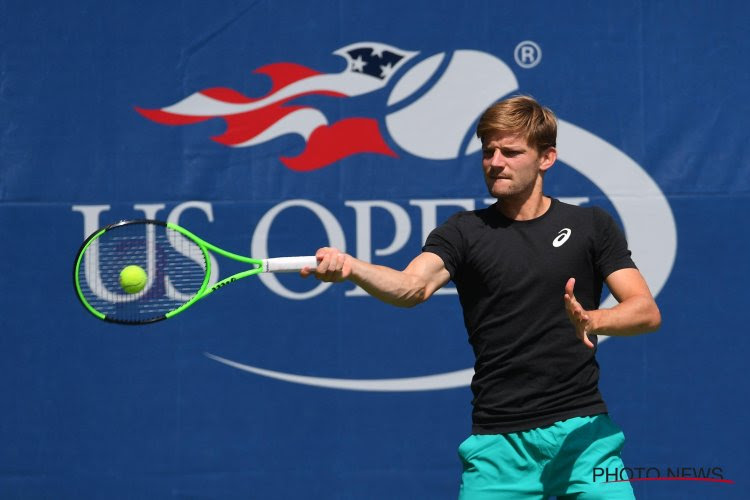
{"x": 580, "y": 318}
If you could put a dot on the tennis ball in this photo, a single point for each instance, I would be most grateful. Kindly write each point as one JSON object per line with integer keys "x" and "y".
{"x": 132, "y": 279}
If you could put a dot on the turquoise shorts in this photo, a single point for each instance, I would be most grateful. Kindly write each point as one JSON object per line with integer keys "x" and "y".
{"x": 559, "y": 460}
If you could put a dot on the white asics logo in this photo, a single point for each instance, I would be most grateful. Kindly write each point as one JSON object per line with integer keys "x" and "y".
{"x": 562, "y": 237}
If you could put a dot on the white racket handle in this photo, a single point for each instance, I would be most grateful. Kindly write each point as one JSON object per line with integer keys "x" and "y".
{"x": 289, "y": 264}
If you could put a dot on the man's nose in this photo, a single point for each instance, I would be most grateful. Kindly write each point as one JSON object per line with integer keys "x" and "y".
{"x": 497, "y": 159}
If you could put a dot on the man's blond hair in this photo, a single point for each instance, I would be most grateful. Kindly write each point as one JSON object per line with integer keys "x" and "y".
{"x": 521, "y": 115}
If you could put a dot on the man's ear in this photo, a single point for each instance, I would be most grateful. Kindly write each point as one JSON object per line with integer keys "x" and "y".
{"x": 548, "y": 158}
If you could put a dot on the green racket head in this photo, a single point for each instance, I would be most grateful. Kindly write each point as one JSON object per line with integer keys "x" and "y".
{"x": 176, "y": 267}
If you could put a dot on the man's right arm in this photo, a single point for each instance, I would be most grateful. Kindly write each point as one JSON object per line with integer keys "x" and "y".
{"x": 415, "y": 284}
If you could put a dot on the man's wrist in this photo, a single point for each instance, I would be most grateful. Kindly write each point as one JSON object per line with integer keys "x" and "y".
{"x": 595, "y": 320}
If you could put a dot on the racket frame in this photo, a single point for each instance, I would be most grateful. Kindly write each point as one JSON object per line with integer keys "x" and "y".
{"x": 203, "y": 291}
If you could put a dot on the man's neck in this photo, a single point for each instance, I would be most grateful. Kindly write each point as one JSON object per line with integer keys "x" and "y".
{"x": 526, "y": 208}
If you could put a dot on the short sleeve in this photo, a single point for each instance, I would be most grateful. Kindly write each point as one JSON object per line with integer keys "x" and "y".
{"x": 611, "y": 247}
{"x": 446, "y": 242}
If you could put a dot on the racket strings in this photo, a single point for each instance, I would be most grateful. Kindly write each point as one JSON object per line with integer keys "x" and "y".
{"x": 175, "y": 271}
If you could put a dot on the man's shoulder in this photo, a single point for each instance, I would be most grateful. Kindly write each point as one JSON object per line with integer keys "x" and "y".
{"x": 593, "y": 216}
{"x": 573, "y": 208}
{"x": 479, "y": 215}
{"x": 589, "y": 211}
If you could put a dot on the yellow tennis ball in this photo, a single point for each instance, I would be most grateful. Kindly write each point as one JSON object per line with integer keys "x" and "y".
{"x": 133, "y": 279}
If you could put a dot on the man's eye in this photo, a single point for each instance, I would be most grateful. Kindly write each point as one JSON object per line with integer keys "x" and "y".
{"x": 488, "y": 153}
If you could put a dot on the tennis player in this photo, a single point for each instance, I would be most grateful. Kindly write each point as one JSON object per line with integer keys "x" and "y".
{"x": 529, "y": 271}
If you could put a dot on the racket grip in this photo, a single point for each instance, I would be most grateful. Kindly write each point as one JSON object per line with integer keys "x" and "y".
{"x": 289, "y": 264}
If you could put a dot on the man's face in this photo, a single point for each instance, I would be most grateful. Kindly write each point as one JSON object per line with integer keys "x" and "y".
{"x": 511, "y": 167}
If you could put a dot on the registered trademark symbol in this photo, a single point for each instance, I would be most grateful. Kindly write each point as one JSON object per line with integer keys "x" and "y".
{"x": 527, "y": 54}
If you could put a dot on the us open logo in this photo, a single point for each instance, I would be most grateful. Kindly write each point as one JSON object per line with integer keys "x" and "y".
{"x": 425, "y": 119}
{"x": 431, "y": 109}
{"x": 462, "y": 86}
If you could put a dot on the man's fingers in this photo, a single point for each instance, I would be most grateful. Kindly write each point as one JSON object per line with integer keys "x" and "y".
{"x": 577, "y": 314}
{"x": 571, "y": 304}
{"x": 330, "y": 264}
{"x": 326, "y": 264}
{"x": 569, "y": 287}
{"x": 582, "y": 331}
{"x": 326, "y": 260}
{"x": 587, "y": 341}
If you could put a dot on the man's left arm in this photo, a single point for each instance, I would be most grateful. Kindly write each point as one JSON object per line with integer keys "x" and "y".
{"x": 635, "y": 313}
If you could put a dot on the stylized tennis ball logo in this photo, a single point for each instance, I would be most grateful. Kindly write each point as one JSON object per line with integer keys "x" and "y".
{"x": 133, "y": 279}
{"x": 440, "y": 118}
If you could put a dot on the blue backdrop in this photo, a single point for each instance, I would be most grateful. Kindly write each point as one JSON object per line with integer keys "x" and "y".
{"x": 278, "y": 127}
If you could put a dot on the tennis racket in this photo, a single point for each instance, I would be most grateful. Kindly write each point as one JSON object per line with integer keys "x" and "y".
{"x": 175, "y": 265}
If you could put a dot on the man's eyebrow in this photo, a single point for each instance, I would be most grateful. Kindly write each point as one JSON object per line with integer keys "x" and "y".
{"x": 515, "y": 147}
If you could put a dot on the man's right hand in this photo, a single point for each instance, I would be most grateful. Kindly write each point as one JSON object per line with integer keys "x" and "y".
{"x": 333, "y": 265}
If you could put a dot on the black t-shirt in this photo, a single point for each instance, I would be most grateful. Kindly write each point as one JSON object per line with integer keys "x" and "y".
{"x": 531, "y": 370}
